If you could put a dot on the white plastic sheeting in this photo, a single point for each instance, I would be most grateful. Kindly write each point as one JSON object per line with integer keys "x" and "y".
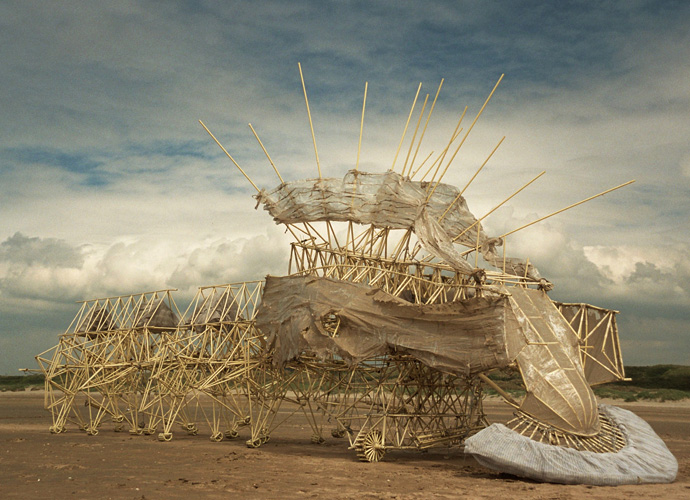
{"x": 644, "y": 459}
{"x": 393, "y": 201}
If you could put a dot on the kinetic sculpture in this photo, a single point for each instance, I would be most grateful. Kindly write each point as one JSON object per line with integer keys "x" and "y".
{"x": 382, "y": 326}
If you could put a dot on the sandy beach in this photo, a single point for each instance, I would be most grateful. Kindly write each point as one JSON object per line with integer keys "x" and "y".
{"x": 36, "y": 464}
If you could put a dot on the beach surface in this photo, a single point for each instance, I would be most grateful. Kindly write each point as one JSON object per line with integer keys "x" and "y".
{"x": 37, "y": 464}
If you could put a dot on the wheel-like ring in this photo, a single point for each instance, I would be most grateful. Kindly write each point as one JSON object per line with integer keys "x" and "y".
{"x": 371, "y": 448}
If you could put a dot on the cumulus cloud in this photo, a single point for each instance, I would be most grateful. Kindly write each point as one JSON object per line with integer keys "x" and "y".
{"x": 654, "y": 274}
{"x": 20, "y": 250}
{"x": 226, "y": 261}
{"x": 125, "y": 267}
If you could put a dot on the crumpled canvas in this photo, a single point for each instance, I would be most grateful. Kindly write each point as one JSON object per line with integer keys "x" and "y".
{"x": 644, "y": 459}
{"x": 391, "y": 200}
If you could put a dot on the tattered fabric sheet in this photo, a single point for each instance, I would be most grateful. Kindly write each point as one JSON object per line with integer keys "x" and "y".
{"x": 462, "y": 337}
{"x": 393, "y": 201}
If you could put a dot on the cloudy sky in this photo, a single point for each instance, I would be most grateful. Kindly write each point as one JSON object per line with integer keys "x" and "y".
{"x": 109, "y": 185}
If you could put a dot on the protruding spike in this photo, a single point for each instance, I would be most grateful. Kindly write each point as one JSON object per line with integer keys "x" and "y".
{"x": 231, "y": 158}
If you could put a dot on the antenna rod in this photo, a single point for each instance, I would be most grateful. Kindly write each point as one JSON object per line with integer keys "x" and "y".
{"x": 361, "y": 124}
{"x": 466, "y": 134}
{"x": 499, "y": 205}
{"x": 472, "y": 179}
{"x": 311, "y": 126}
{"x": 566, "y": 208}
{"x": 421, "y": 165}
{"x": 231, "y": 158}
{"x": 442, "y": 156}
{"x": 359, "y": 147}
{"x": 266, "y": 153}
{"x": 415, "y": 134}
{"x": 414, "y": 103}
{"x": 426, "y": 124}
